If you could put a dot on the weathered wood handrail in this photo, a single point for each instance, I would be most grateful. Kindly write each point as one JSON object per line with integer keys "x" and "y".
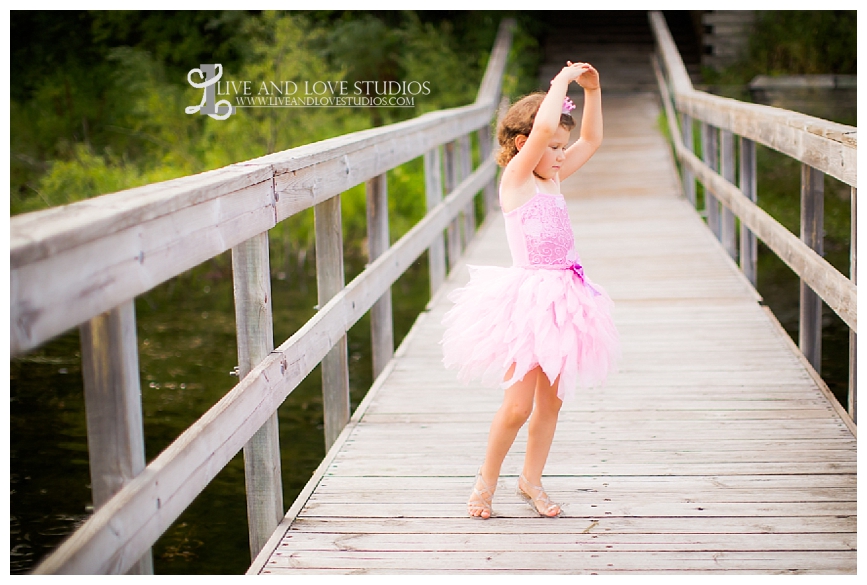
{"x": 92, "y": 256}
{"x": 103, "y": 251}
{"x": 821, "y": 146}
{"x": 827, "y": 146}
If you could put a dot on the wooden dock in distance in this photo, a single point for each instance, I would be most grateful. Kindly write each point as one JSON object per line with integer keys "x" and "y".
{"x": 713, "y": 449}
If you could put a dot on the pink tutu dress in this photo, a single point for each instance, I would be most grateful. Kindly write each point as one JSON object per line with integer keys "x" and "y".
{"x": 542, "y": 311}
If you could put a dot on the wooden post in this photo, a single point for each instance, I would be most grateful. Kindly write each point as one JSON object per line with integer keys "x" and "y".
{"x": 727, "y": 170}
{"x": 465, "y": 168}
{"x": 490, "y": 193}
{"x": 381, "y": 327}
{"x": 112, "y": 401}
{"x": 709, "y": 154}
{"x": 812, "y": 223}
{"x": 454, "y": 230}
{"x": 251, "y": 274}
{"x": 330, "y": 280}
{"x": 688, "y": 178}
{"x": 853, "y": 337}
{"x": 433, "y": 185}
{"x": 747, "y": 183}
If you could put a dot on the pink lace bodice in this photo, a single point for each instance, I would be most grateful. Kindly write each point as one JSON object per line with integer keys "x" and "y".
{"x": 539, "y": 233}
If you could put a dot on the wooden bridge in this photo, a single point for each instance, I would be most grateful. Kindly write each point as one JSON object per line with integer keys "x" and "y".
{"x": 715, "y": 448}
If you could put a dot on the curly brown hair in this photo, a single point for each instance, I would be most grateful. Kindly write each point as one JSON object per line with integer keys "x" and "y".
{"x": 519, "y": 121}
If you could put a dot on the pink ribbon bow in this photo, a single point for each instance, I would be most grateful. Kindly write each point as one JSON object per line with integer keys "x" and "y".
{"x": 579, "y": 272}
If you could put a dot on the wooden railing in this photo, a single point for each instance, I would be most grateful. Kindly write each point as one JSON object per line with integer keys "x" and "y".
{"x": 821, "y": 147}
{"x": 83, "y": 265}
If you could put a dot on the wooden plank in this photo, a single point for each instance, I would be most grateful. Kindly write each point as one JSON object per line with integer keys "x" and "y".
{"x": 37, "y": 235}
{"x": 688, "y": 179}
{"x": 378, "y": 241}
{"x": 330, "y": 281}
{"x": 535, "y": 542}
{"x": 731, "y": 488}
{"x": 320, "y": 177}
{"x": 51, "y": 293}
{"x": 728, "y": 171}
{"x": 710, "y": 156}
{"x": 812, "y": 234}
{"x": 46, "y": 235}
{"x": 358, "y": 458}
{"x": 669, "y": 418}
{"x": 251, "y": 274}
{"x": 451, "y": 176}
{"x": 486, "y": 148}
{"x": 578, "y": 562}
{"x": 399, "y": 468}
{"x": 748, "y": 180}
{"x": 630, "y": 525}
{"x": 112, "y": 400}
{"x": 827, "y": 146}
{"x": 433, "y": 196}
{"x": 464, "y": 168}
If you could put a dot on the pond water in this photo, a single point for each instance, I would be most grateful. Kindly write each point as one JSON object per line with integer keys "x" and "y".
{"x": 186, "y": 332}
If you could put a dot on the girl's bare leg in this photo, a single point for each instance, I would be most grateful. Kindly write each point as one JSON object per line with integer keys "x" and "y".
{"x": 540, "y": 435}
{"x": 511, "y": 416}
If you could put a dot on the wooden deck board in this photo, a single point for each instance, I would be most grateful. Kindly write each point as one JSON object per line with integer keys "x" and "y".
{"x": 711, "y": 450}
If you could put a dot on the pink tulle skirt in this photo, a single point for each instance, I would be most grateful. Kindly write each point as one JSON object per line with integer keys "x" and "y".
{"x": 530, "y": 317}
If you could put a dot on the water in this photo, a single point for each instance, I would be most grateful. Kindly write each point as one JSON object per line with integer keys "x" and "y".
{"x": 186, "y": 333}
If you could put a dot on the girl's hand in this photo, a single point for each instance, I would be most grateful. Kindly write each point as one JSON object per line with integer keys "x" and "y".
{"x": 571, "y": 72}
{"x": 589, "y": 77}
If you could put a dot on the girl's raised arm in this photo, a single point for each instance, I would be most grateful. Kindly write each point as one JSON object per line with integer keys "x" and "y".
{"x": 591, "y": 125}
{"x": 520, "y": 168}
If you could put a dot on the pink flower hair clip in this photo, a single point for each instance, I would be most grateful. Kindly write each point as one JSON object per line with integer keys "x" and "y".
{"x": 568, "y": 106}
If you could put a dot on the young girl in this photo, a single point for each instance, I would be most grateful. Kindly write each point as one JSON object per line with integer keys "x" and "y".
{"x": 539, "y": 327}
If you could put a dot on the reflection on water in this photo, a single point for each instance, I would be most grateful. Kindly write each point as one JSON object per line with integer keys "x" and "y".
{"x": 186, "y": 333}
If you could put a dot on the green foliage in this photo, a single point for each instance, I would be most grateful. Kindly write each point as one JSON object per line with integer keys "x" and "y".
{"x": 795, "y": 42}
{"x": 524, "y": 59}
{"x": 85, "y": 175}
{"x": 804, "y": 41}
{"x": 103, "y": 110}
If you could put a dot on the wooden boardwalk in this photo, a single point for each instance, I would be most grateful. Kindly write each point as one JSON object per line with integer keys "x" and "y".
{"x": 713, "y": 449}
